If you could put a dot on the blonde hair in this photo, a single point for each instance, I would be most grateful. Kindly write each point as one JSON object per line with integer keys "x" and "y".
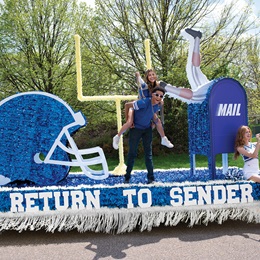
{"x": 240, "y": 141}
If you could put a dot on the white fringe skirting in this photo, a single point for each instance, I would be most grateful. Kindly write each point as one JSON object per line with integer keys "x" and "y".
{"x": 126, "y": 220}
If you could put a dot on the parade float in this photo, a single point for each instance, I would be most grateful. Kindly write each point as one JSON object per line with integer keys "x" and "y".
{"x": 39, "y": 192}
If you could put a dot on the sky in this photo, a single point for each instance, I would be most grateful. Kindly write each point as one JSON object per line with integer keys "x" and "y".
{"x": 256, "y": 5}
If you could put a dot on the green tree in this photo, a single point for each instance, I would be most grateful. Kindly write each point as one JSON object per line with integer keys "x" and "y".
{"x": 250, "y": 78}
{"x": 120, "y": 27}
{"x": 116, "y": 33}
{"x": 36, "y": 46}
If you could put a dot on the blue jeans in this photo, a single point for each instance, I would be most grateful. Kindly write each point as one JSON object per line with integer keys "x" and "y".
{"x": 135, "y": 135}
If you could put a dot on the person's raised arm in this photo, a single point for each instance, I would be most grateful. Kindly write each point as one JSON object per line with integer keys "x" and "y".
{"x": 243, "y": 151}
{"x": 139, "y": 80}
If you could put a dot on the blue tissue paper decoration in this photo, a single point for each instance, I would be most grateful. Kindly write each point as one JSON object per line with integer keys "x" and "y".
{"x": 29, "y": 124}
{"x": 234, "y": 174}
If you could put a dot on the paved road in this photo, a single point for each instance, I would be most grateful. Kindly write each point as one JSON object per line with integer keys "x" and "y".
{"x": 231, "y": 240}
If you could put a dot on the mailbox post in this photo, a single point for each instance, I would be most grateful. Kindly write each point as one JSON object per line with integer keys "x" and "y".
{"x": 214, "y": 122}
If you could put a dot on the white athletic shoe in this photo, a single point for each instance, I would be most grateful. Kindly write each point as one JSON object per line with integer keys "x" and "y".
{"x": 116, "y": 139}
{"x": 166, "y": 142}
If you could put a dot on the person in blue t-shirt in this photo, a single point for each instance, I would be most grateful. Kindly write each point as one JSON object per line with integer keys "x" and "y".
{"x": 144, "y": 91}
{"x": 144, "y": 110}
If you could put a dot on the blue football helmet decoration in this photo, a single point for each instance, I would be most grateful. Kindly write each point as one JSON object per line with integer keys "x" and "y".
{"x": 36, "y": 142}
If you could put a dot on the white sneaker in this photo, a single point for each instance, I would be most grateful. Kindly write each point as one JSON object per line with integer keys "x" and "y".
{"x": 166, "y": 142}
{"x": 116, "y": 139}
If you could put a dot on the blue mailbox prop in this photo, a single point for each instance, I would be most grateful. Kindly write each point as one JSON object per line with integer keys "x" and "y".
{"x": 214, "y": 122}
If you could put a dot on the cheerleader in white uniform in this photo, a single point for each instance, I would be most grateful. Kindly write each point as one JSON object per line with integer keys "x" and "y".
{"x": 249, "y": 152}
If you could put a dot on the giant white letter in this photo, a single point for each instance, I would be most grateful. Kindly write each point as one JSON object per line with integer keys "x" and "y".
{"x": 231, "y": 194}
{"x": 45, "y": 196}
{"x": 57, "y": 196}
{"x": 219, "y": 194}
{"x": 77, "y": 199}
{"x": 246, "y": 193}
{"x": 176, "y": 196}
{"x": 91, "y": 200}
{"x": 129, "y": 194}
{"x": 140, "y": 198}
{"x": 16, "y": 202}
{"x": 30, "y": 202}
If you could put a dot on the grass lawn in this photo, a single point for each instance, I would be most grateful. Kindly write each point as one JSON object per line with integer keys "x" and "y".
{"x": 170, "y": 161}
